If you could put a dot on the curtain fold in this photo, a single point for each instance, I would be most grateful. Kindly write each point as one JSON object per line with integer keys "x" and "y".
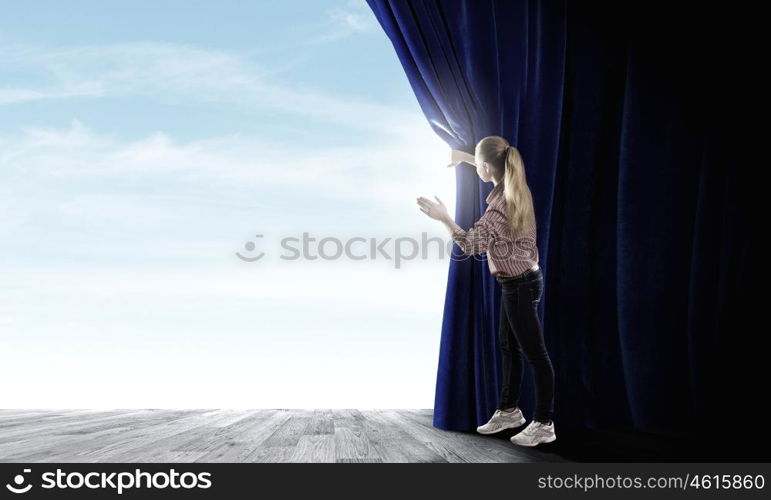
{"x": 640, "y": 225}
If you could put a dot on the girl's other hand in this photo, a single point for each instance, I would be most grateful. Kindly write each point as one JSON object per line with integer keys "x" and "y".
{"x": 436, "y": 210}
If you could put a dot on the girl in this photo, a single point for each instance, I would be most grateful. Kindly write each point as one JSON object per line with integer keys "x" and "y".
{"x": 506, "y": 232}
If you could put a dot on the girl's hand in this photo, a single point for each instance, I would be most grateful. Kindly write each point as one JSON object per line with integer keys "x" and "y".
{"x": 457, "y": 156}
{"x": 435, "y": 210}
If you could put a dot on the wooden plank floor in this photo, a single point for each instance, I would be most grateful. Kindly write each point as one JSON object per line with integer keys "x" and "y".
{"x": 265, "y": 435}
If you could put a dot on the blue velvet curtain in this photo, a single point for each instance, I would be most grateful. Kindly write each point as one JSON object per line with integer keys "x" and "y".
{"x": 617, "y": 111}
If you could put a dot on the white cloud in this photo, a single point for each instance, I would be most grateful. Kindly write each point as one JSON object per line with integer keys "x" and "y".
{"x": 78, "y": 205}
{"x": 81, "y": 168}
{"x": 183, "y": 73}
{"x": 398, "y": 166}
{"x": 346, "y": 21}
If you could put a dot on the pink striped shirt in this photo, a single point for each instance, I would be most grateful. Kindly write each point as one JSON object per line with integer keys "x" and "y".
{"x": 507, "y": 254}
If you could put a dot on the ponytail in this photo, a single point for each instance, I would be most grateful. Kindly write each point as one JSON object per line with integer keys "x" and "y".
{"x": 519, "y": 200}
{"x": 509, "y": 169}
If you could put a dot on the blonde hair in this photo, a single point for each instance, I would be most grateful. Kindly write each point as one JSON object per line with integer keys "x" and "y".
{"x": 508, "y": 166}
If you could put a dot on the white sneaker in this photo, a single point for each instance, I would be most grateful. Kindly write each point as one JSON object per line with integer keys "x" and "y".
{"x": 535, "y": 434}
{"x": 502, "y": 420}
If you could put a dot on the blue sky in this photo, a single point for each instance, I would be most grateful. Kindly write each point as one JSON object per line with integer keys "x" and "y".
{"x": 143, "y": 143}
{"x": 303, "y": 44}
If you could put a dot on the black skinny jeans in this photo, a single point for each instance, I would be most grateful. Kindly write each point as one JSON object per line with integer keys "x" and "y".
{"x": 520, "y": 333}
